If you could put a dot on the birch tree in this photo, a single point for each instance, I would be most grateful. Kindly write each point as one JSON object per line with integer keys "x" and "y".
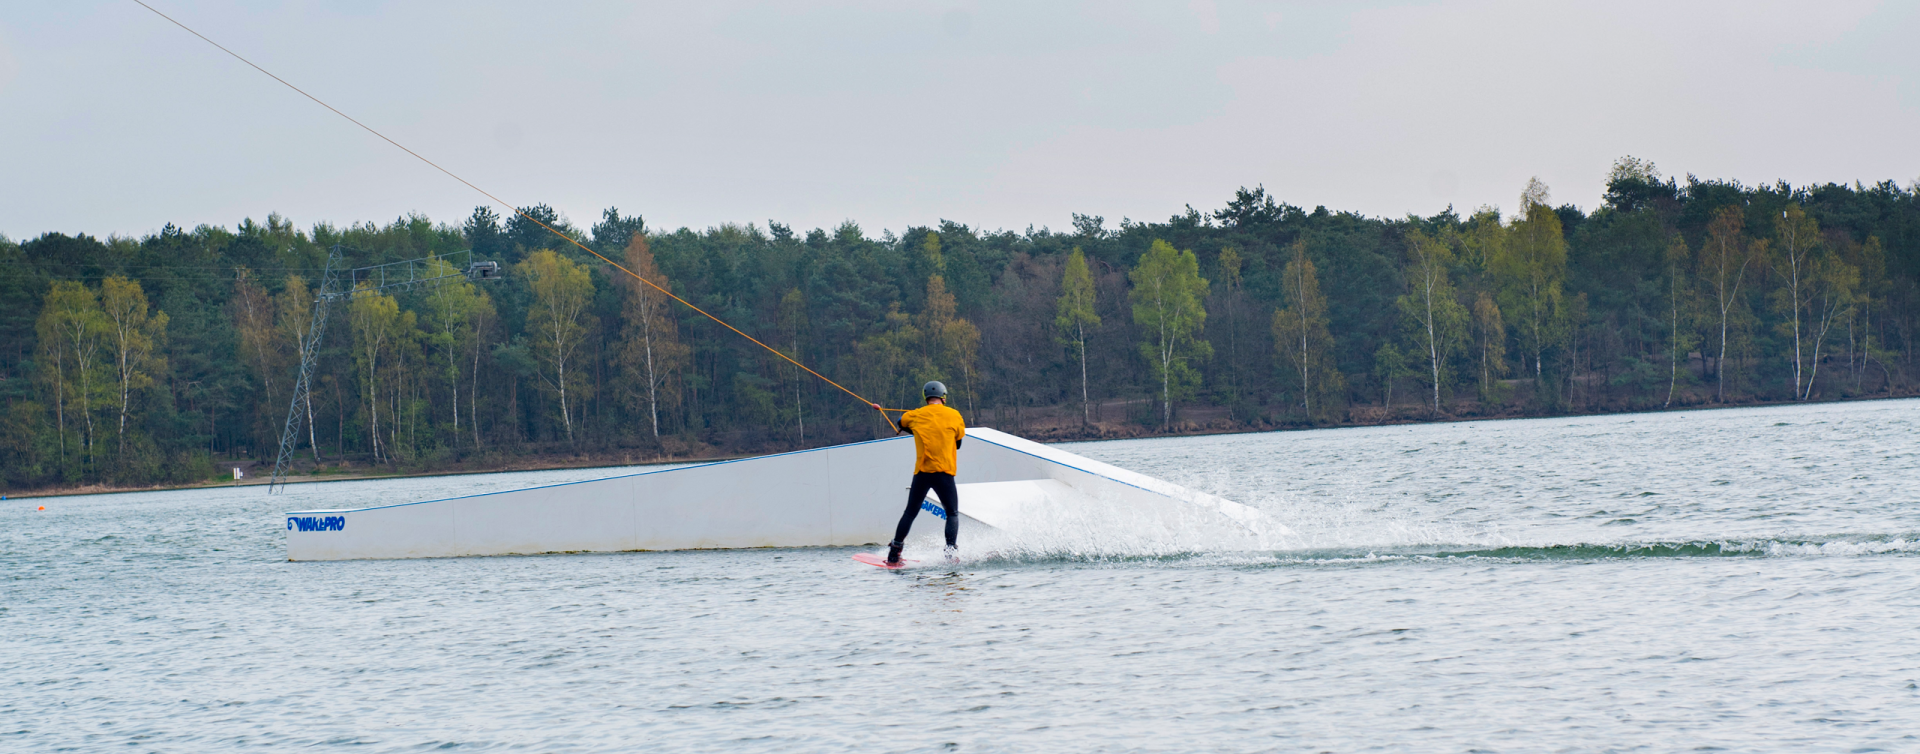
{"x": 1300, "y": 330}
{"x": 1074, "y": 313}
{"x": 1530, "y": 266}
{"x": 53, "y": 376}
{"x": 557, "y": 323}
{"x": 1795, "y": 237}
{"x": 1723, "y": 266}
{"x": 261, "y": 348}
{"x": 1167, "y": 294}
{"x": 456, "y": 312}
{"x": 650, "y": 351}
{"x": 294, "y": 309}
{"x": 72, "y": 330}
{"x": 483, "y": 319}
{"x": 1436, "y": 323}
{"x": 1490, "y": 345}
{"x": 134, "y": 334}
{"x": 1679, "y": 342}
{"x": 404, "y": 406}
{"x": 1871, "y": 260}
{"x": 793, "y": 325}
{"x": 1830, "y": 300}
{"x": 374, "y": 320}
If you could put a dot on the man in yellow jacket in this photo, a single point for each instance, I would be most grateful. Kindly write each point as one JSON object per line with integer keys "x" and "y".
{"x": 937, "y": 430}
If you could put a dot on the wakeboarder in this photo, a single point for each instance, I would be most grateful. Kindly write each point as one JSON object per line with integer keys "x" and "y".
{"x": 937, "y": 431}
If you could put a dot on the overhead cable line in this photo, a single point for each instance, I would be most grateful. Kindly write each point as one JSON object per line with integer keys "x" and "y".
{"x": 517, "y": 211}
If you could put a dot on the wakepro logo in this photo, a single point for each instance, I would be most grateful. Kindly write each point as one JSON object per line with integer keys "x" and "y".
{"x": 316, "y": 523}
{"x": 928, "y": 506}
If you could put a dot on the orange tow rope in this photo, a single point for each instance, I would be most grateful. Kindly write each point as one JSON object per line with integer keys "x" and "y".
{"x": 516, "y": 210}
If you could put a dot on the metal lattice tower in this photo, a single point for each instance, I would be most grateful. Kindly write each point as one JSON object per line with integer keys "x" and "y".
{"x": 362, "y": 281}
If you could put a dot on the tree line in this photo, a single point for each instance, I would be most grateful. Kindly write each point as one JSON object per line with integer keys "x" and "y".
{"x": 158, "y": 359}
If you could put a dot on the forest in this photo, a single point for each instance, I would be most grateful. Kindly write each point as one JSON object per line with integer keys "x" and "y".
{"x": 168, "y": 358}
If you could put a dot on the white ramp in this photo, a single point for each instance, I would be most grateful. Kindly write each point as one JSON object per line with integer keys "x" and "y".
{"x": 837, "y": 496}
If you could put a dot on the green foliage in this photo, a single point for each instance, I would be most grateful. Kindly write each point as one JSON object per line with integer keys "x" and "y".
{"x": 650, "y": 352}
{"x": 456, "y": 317}
{"x": 557, "y": 324}
{"x": 379, "y": 332}
{"x": 1815, "y": 292}
{"x": 1670, "y": 293}
{"x": 1389, "y": 366}
{"x": 1167, "y": 294}
{"x": 1490, "y": 348}
{"x": 1304, "y": 344}
{"x": 134, "y": 334}
{"x": 73, "y": 334}
{"x": 1074, "y": 310}
{"x": 912, "y": 350}
{"x": 1529, "y": 267}
{"x": 1074, "y": 315}
{"x": 1725, "y": 260}
{"x": 1684, "y": 310}
{"x": 1434, "y": 324}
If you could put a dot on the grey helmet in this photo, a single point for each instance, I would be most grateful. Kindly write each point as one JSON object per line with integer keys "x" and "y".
{"x": 934, "y": 389}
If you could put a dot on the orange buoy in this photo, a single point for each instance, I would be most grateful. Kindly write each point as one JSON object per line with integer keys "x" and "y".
{"x": 43, "y": 507}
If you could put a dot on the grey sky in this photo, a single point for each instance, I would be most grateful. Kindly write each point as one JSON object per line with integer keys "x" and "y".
{"x": 1001, "y": 115}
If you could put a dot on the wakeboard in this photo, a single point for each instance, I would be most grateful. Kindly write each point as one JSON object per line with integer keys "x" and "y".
{"x": 881, "y": 560}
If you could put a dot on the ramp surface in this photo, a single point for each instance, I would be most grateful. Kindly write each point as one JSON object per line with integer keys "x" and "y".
{"x": 837, "y": 496}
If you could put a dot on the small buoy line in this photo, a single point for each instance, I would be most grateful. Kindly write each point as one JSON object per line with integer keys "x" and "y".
{"x": 530, "y": 218}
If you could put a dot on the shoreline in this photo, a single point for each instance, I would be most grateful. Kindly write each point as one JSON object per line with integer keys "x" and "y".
{"x": 102, "y": 489}
{"x": 1049, "y": 436}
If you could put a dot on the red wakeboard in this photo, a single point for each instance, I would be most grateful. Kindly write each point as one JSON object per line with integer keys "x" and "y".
{"x": 881, "y": 560}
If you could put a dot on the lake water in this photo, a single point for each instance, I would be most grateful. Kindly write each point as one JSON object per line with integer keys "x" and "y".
{"x": 1743, "y": 580}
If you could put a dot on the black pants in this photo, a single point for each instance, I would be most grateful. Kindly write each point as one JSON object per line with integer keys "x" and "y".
{"x": 941, "y": 484}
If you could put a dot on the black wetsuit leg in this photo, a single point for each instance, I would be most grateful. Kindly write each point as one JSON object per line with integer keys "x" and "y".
{"x": 940, "y": 484}
{"x": 915, "y": 494}
{"x": 949, "y": 499}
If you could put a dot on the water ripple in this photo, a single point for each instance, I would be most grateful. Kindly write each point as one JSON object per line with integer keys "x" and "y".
{"x": 1737, "y": 580}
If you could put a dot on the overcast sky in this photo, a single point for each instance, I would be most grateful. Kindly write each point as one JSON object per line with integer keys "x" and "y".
{"x": 906, "y": 112}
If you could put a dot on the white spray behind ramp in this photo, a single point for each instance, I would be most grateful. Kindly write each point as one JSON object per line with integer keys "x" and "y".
{"x": 1011, "y": 489}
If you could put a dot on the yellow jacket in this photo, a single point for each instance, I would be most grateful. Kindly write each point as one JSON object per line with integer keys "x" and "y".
{"x": 937, "y": 430}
